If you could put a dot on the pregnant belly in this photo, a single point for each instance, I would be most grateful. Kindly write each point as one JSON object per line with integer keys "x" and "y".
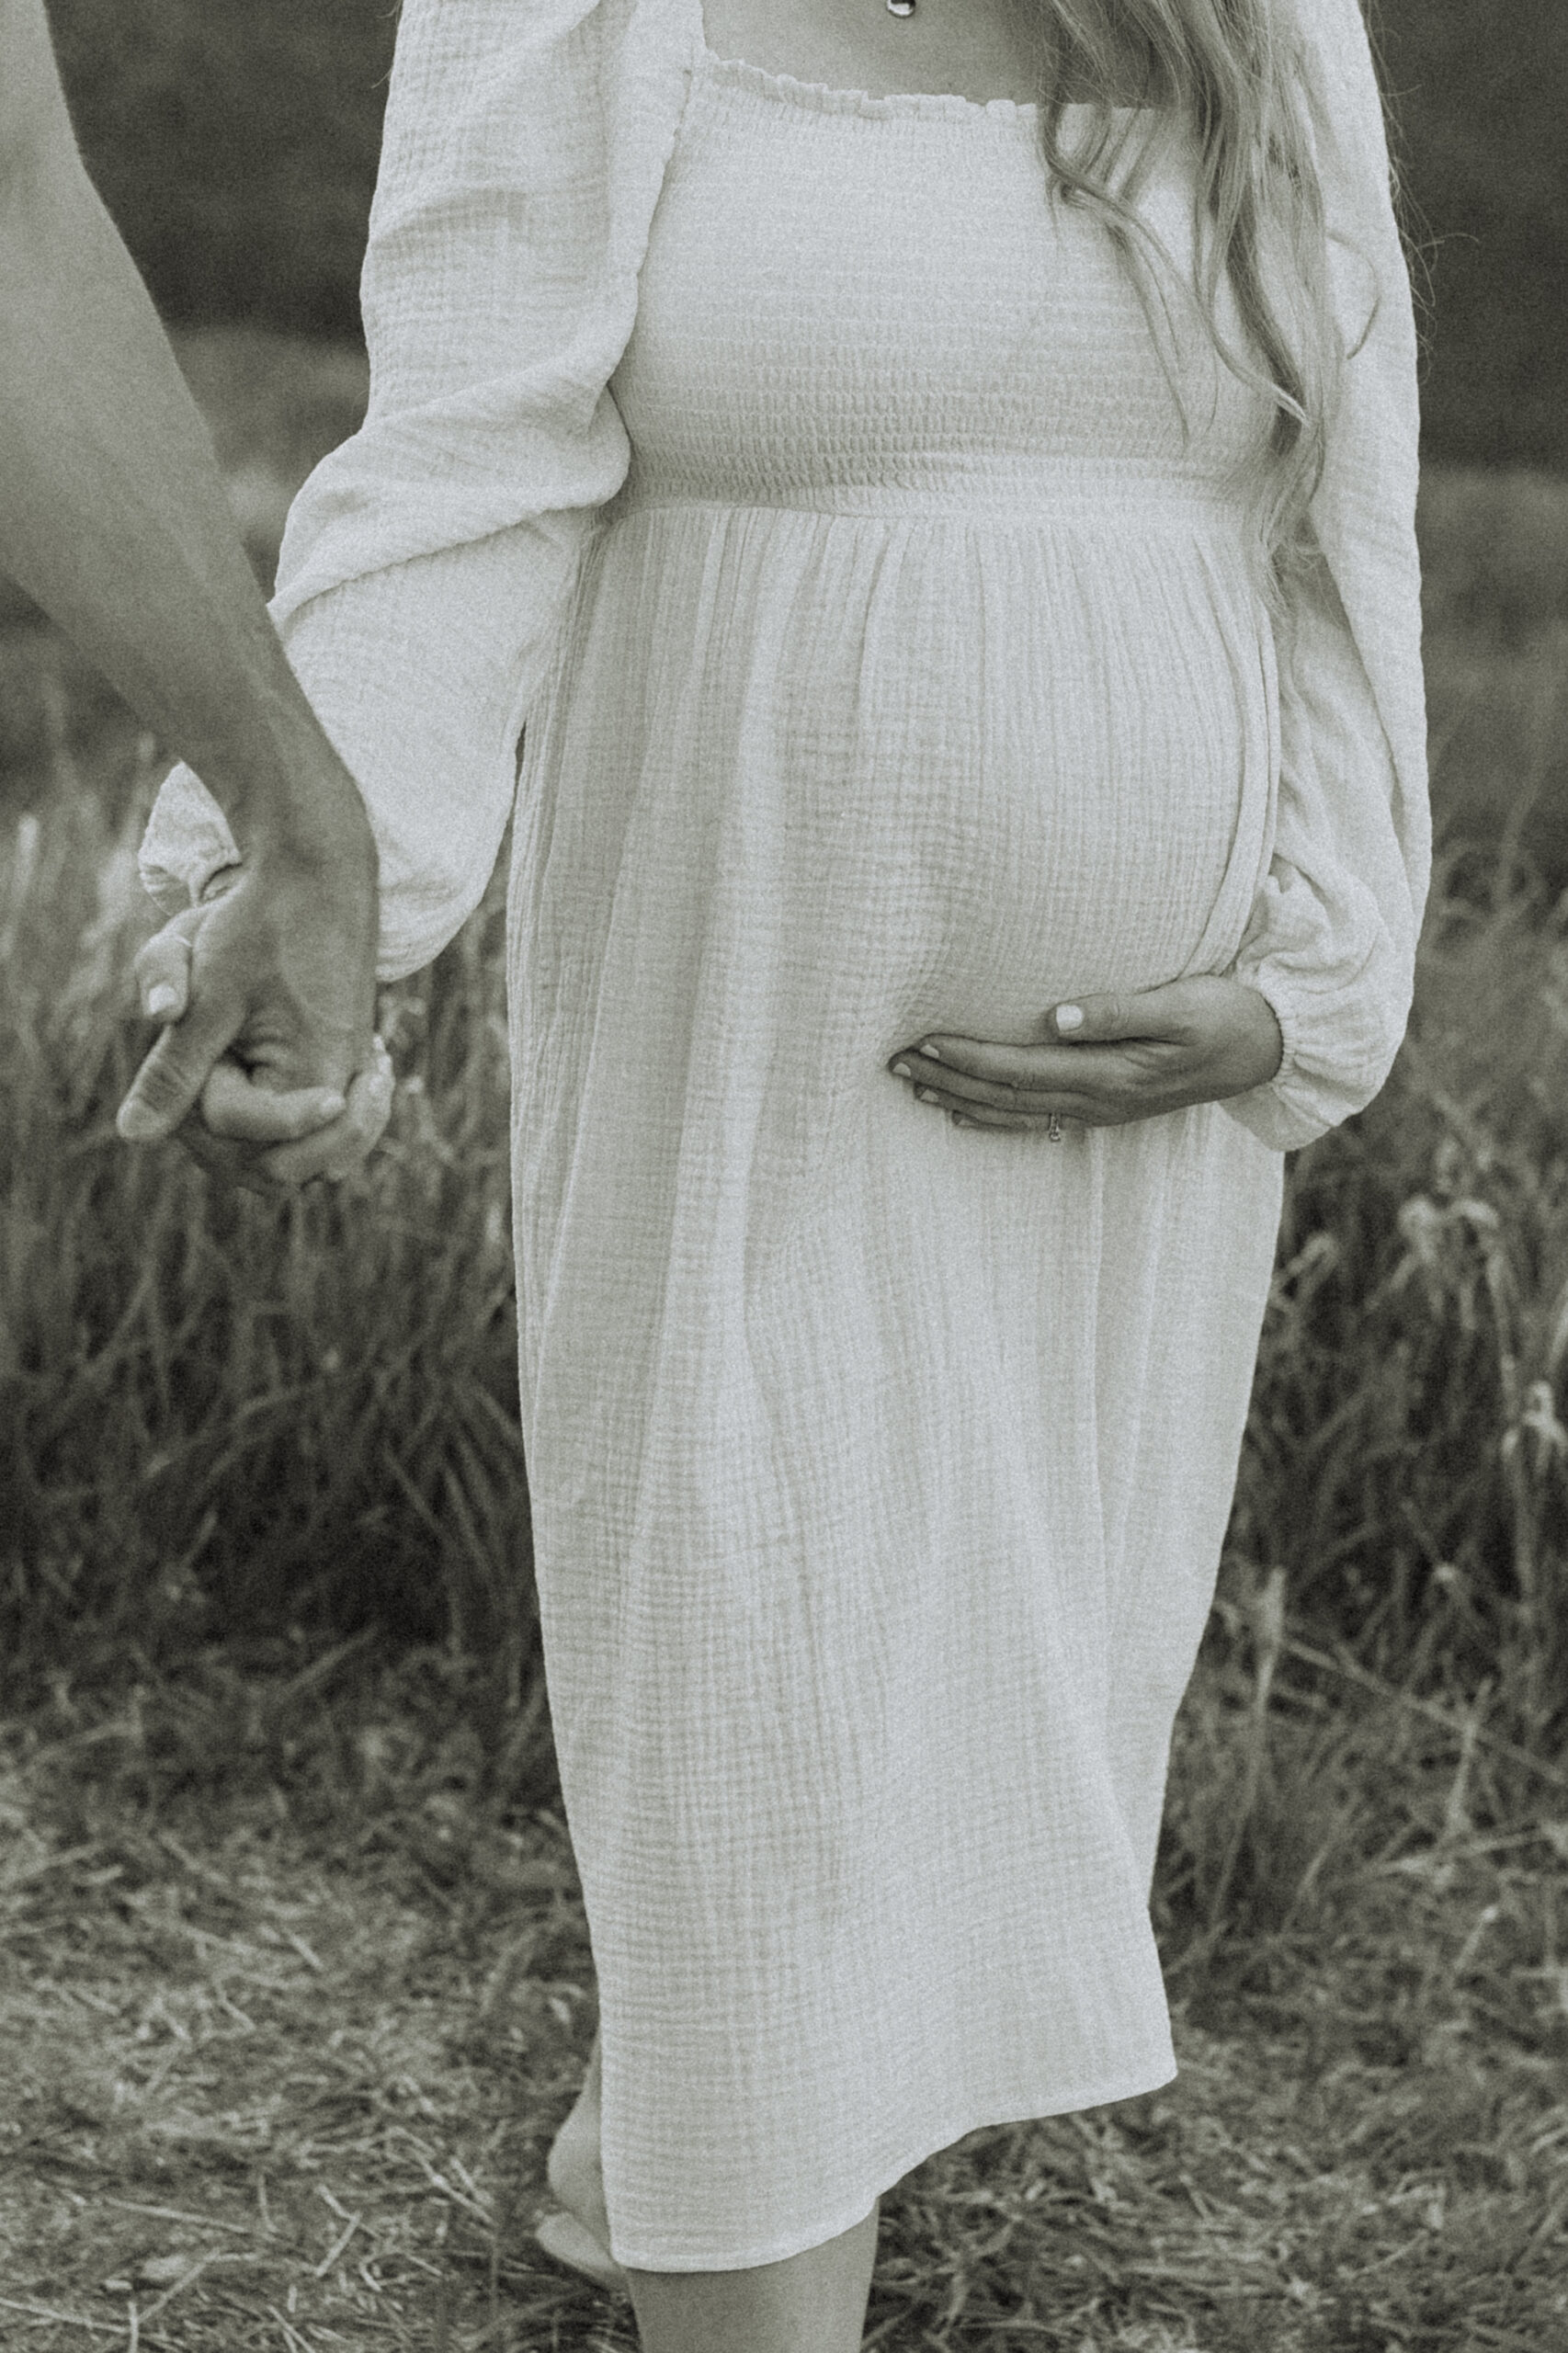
{"x": 948, "y": 771}
{"x": 803, "y": 788}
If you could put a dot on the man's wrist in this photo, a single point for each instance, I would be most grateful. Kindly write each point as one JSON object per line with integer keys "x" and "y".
{"x": 296, "y": 811}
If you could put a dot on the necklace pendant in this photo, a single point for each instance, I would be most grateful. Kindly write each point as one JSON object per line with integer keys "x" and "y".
{"x": 900, "y": 7}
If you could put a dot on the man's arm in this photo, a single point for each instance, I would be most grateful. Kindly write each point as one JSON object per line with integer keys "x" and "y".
{"x": 112, "y": 512}
{"x": 113, "y": 518}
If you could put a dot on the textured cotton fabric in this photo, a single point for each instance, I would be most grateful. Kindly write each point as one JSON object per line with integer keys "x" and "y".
{"x": 894, "y": 665}
{"x": 914, "y": 679}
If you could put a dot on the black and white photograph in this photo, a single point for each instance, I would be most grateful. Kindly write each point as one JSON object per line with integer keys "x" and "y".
{"x": 784, "y": 1131}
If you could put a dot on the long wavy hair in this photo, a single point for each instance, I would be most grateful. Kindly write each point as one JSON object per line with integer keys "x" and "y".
{"x": 1229, "y": 70}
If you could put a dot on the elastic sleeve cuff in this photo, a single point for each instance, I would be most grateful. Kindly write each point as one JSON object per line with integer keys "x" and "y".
{"x": 1268, "y": 1111}
{"x": 1339, "y": 1049}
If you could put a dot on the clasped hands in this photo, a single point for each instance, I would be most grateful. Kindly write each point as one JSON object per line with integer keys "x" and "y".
{"x": 267, "y": 1069}
{"x": 1106, "y": 1061}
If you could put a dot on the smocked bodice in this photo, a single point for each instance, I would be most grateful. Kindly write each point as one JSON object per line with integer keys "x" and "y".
{"x": 985, "y": 344}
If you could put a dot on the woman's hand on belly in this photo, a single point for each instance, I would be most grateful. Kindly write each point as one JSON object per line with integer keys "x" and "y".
{"x": 1125, "y": 1057}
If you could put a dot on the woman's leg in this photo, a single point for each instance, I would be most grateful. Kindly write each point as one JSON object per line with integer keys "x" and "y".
{"x": 813, "y": 2303}
{"x": 574, "y": 2170}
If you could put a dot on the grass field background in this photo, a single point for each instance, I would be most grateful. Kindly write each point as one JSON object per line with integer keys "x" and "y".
{"x": 294, "y": 1944}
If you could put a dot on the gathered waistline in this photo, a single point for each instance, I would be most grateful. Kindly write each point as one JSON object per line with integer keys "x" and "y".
{"x": 1112, "y": 499}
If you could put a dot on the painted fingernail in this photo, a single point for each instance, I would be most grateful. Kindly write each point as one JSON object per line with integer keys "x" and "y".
{"x": 960, "y": 1121}
{"x": 901, "y": 1070}
{"x": 1069, "y": 1016}
{"x": 928, "y": 1095}
{"x": 931, "y": 1050}
{"x": 161, "y": 1000}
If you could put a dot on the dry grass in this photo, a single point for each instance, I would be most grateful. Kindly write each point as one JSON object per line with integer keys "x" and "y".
{"x": 278, "y": 2066}
{"x": 291, "y": 2008}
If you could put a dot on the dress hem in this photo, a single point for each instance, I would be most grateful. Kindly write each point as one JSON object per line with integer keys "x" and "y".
{"x": 781, "y": 2250}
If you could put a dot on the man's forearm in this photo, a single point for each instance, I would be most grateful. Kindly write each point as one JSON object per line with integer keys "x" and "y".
{"x": 113, "y": 514}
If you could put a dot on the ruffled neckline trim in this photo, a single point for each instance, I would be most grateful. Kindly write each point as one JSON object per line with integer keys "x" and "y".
{"x": 936, "y": 104}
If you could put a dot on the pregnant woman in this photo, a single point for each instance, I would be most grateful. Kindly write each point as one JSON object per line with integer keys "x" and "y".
{"x": 931, "y": 485}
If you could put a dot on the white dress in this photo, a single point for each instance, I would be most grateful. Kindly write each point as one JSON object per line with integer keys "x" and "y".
{"x": 879, "y": 1470}
{"x": 908, "y": 677}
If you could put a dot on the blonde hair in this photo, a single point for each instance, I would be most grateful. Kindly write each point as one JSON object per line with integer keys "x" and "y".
{"x": 1227, "y": 69}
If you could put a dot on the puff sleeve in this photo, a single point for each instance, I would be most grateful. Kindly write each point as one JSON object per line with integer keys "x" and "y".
{"x": 1332, "y": 939}
{"x": 428, "y": 561}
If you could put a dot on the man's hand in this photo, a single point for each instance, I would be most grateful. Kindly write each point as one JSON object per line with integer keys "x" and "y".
{"x": 113, "y": 515}
{"x": 267, "y": 1067}
{"x": 1107, "y": 1060}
